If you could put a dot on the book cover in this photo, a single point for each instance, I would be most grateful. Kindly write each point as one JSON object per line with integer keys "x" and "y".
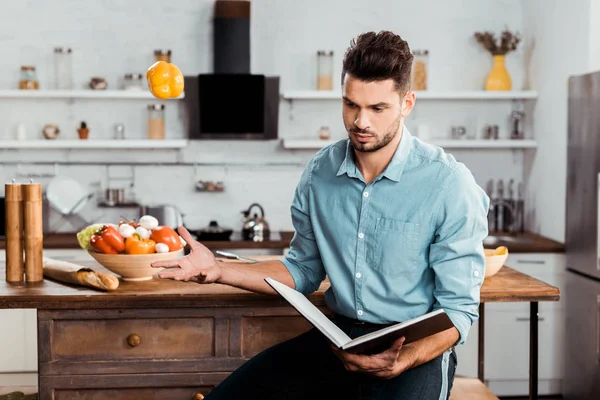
{"x": 414, "y": 329}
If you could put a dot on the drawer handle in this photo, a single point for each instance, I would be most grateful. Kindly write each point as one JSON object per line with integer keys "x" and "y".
{"x": 134, "y": 340}
{"x": 522, "y": 319}
{"x": 531, "y": 262}
{"x": 198, "y": 396}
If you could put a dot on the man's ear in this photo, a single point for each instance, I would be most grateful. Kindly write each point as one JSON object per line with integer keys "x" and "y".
{"x": 408, "y": 103}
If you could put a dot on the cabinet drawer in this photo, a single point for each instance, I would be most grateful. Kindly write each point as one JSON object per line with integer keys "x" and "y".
{"x": 163, "y": 386}
{"x": 131, "y": 393}
{"x": 130, "y": 339}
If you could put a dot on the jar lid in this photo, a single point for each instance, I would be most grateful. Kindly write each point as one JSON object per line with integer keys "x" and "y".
{"x": 27, "y": 68}
{"x": 156, "y": 106}
{"x": 133, "y": 76}
{"x": 62, "y": 50}
{"x": 325, "y": 53}
{"x": 420, "y": 52}
{"x": 162, "y": 52}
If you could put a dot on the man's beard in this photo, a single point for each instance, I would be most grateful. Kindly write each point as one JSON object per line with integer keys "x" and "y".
{"x": 389, "y": 135}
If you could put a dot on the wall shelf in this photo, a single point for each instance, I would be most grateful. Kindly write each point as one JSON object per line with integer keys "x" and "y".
{"x": 310, "y": 144}
{"x": 422, "y": 95}
{"x": 79, "y": 94}
{"x": 93, "y": 144}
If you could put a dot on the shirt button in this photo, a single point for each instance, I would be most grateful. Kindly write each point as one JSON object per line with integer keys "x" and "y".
{"x": 361, "y": 235}
{"x": 476, "y": 273}
{"x": 366, "y": 194}
{"x": 358, "y": 275}
{"x": 359, "y": 312}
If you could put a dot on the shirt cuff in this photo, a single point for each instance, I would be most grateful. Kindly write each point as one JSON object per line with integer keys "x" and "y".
{"x": 298, "y": 277}
{"x": 461, "y": 322}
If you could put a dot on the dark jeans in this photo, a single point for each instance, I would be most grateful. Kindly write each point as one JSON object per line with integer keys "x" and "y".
{"x": 305, "y": 368}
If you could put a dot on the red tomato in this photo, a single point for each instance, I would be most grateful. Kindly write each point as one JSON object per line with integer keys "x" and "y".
{"x": 166, "y": 235}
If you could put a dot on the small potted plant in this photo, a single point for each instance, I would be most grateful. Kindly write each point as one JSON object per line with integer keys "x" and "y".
{"x": 498, "y": 78}
{"x": 83, "y": 131}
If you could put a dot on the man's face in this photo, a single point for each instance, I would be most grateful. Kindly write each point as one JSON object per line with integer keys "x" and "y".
{"x": 373, "y": 112}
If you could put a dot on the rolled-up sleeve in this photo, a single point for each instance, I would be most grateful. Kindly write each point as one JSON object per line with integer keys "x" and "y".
{"x": 303, "y": 260}
{"x": 456, "y": 254}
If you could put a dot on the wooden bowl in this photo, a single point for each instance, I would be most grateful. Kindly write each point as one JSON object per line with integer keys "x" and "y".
{"x": 493, "y": 262}
{"x": 134, "y": 267}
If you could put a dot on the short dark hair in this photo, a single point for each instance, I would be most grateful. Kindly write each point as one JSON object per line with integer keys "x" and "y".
{"x": 377, "y": 57}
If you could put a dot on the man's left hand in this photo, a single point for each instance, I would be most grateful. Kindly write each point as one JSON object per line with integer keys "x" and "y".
{"x": 386, "y": 365}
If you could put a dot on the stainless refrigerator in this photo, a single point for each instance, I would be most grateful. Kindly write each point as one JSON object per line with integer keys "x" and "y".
{"x": 582, "y": 292}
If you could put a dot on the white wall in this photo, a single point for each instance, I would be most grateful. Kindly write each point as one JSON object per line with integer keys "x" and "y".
{"x": 113, "y": 38}
{"x": 562, "y": 47}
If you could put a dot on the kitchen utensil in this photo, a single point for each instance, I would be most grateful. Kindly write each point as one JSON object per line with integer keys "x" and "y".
{"x": 213, "y": 232}
{"x": 134, "y": 267}
{"x": 235, "y": 256}
{"x": 255, "y": 228}
{"x": 167, "y": 215}
{"x": 64, "y": 271}
{"x": 66, "y": 194}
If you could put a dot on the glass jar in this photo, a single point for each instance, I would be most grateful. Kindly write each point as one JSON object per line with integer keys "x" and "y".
{"x": 28, "y": 78}
{"x": 324, "y": 70}
{"x": 133, "y": 82}
{"x": 63, "y": 68}
{"x": 156, "y": 121}
{"x": 162, "y": 55}
{"x": 419, "y": 74}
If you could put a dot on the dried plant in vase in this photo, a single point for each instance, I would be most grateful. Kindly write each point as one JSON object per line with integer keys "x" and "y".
{"x": 498, "y": 78}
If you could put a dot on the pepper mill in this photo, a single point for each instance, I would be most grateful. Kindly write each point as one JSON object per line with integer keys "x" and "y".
{"x": 34, "y": 232}
{"x": 14, "y": 232}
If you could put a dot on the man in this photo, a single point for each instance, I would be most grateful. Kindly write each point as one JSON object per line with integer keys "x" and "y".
{"x": 396, "y": 224}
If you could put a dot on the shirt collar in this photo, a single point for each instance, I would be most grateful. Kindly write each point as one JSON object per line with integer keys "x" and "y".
{"x": 394, "y": 169}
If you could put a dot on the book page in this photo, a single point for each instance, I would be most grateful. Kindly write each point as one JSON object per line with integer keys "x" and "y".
{"x": 310, "y": 312}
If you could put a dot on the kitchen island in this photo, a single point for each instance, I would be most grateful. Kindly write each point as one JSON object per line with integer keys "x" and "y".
{"x": 167, "y": 339}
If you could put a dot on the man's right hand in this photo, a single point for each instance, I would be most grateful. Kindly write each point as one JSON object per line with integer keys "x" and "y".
{"x": 199, "y": 266}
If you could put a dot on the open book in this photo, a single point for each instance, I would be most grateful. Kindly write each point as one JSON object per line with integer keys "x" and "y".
{"x": 374, "y": 342}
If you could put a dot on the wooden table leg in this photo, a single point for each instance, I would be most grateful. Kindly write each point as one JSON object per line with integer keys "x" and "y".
{"x": 480, "y": 343}
{"x": 533, "y": 350}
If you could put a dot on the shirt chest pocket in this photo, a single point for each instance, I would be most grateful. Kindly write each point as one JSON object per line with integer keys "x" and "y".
{"x": 394, "y": 247}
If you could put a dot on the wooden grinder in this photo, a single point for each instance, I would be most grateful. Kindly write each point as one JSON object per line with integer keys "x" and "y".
{"x": 34, "y": 232}
{"x": 14, "y": 232}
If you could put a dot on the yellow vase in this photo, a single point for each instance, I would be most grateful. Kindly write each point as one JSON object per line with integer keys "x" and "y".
{"x": 498, "y": 78}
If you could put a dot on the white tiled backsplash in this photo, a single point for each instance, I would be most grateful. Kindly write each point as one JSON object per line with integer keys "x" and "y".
{"x": 110, "y": 39}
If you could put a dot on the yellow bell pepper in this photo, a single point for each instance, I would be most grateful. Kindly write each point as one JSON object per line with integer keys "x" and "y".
{"x": 165, "y": 80}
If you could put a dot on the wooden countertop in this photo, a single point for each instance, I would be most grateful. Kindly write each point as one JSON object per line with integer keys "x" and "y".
{"x": 529, "y": 243}
{"x": 279, "y": 240}
{"x": 534, "y": 243}
{"x": 507, "y": 285}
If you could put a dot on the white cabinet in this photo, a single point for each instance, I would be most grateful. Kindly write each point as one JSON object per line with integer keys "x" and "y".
{"x": 18, "y": 333}
{"x": 506, "y": 362}
{"x": 18, "y": 341}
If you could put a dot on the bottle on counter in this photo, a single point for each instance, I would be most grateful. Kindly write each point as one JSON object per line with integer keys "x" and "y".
{"x": 156, "y": 121}
{"x": 63, "y": 68}
{"x": 162, "y": 55}
{"x": 28, "y": 79}
{"x": 419, "y": 69}
{"x": 324, "y": 70}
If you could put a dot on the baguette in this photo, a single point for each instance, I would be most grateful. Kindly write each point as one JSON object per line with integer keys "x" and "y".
{"x": 65, "y": 271}
{"x": 99, "y": 280}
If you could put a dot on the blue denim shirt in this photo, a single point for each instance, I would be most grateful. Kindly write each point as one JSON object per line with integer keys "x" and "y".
{"x": 405, "y": 244}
